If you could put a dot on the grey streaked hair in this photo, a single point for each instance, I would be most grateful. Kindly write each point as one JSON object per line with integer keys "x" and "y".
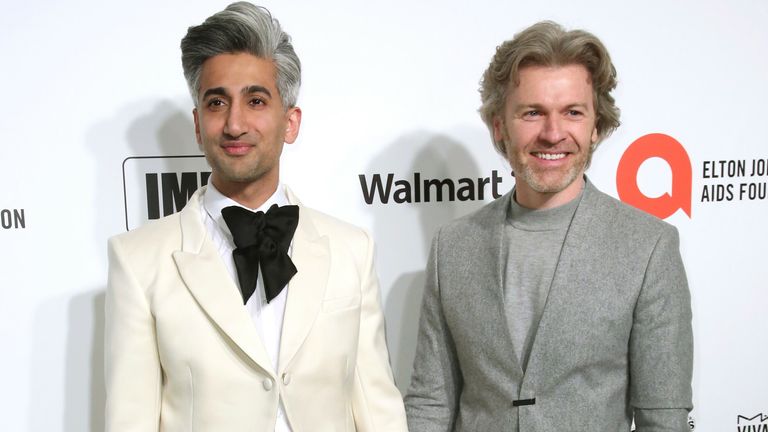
{"x": 242, "y": 27}
{"x": 548, "y": 44}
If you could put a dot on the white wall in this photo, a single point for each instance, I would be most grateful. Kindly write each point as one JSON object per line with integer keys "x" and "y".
{"x": 389, "y": 87}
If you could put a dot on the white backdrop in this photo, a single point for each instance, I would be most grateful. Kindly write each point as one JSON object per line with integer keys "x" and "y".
{"x": 389, "y": 87}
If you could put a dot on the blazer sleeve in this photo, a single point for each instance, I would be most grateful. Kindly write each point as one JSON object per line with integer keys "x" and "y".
{"x": 661, "y": 342}
{"x": 377, "y": 404}
{"x": 432, "y": 400}
{"x": 132, "y": 366}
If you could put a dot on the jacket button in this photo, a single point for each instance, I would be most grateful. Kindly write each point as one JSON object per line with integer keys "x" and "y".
{"x": 286, "y": 378}
{"x": 267, "y": 384}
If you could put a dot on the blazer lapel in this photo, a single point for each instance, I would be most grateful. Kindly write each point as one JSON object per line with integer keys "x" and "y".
{"x": 204, "y": 274}
{"x": 577, "y": 244}
{"x": 311, "y": 255}
{"x": 494, "y": 223}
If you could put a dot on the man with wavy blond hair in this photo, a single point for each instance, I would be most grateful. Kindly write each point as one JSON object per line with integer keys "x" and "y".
{"x": 555, "y": 307}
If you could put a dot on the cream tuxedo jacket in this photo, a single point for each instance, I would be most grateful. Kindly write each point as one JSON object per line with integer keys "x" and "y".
{"x": 182, "y": 353}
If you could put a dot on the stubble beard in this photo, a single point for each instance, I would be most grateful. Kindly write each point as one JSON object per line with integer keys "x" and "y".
{"x": 232, "y": 174}
{"x": 539, "y": 182}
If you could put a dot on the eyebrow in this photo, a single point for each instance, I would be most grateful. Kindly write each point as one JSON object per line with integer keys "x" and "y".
{"x": 221, "y": 91}
{"x": 256, "y": 89}
{"x": 537, "y": 106}
{"x": 582, "y": 105}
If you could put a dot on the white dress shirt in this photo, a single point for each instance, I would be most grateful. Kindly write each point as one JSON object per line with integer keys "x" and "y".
{"x": 266, "y": 317}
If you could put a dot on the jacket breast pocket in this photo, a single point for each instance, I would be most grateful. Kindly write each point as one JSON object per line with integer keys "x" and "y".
{"x": 341, "y": 303}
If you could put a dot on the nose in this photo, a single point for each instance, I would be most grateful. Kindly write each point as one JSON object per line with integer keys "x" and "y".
{"x": 553, "y": 130}
{"x": 235, "y": 125}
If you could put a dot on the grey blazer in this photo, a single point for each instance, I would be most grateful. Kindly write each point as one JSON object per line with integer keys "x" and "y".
{"x": 614, "y": 341}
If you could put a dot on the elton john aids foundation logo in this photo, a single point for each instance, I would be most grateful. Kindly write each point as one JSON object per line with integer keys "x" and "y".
{"x": 665, "y": 147}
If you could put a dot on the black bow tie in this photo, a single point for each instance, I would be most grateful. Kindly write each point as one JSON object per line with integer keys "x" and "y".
{"x": 262, "y": 240}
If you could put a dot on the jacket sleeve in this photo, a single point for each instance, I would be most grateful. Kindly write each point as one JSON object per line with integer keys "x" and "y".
{"x": 132, "y": 366}
{"x": 661, "y": 343}
{"x": 377, "y": 404}
{"x": 432, "y": 399}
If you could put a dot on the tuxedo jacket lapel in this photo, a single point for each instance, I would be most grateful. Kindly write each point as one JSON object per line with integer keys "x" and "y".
{"x": 205, "y": 276}
{"x": 311, "y": 256}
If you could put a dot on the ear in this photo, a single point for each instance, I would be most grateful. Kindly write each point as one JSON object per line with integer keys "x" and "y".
{"x": 195, "y": 116}
{"x": 595, "y": 135}
{"x": 292, "y": 124}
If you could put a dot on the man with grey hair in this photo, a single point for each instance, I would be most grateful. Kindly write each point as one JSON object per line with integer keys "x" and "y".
{"x": 555, "y": 307}
{"x": 246, "y": 311}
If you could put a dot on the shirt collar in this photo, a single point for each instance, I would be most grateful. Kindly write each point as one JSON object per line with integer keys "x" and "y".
{"x": 542, "y": 220}
{"x": 546, "y": 219}
{"x": 214, "y": 202}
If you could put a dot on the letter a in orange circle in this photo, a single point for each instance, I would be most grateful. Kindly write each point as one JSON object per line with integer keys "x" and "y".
{"x": 669, "y": 149}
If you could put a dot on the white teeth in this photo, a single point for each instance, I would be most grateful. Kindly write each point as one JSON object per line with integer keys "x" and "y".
{"x": 550, "y": 156}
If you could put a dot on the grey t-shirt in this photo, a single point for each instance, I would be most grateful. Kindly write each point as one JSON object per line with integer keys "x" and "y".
{"x": 533, "y": 241}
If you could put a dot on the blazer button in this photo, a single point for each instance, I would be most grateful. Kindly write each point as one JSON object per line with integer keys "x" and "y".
{"x": 267, "y": 384}
{"x": 286, "y": 378}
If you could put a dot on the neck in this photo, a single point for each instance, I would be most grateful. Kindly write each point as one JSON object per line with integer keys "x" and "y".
{"x": 531, "y": 199}
{"x": 248, "y": 194}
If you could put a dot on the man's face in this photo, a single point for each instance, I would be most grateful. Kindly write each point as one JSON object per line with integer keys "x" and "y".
{"x": 548, "y": 127}
{"x": 240, "y": 122}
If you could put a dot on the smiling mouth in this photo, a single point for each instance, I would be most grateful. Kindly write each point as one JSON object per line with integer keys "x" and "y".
{"x": 236, "y": 149}
{"x": 550, "y": 156}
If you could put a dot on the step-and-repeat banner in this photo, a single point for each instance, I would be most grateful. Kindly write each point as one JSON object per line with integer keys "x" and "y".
{"x": 97, "y": 138}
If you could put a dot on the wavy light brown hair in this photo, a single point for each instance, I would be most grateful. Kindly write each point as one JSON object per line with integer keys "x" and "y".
{"x": 548, "y": 44}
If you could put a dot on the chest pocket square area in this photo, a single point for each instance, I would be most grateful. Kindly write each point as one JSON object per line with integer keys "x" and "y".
{"x": 341, "y": 303}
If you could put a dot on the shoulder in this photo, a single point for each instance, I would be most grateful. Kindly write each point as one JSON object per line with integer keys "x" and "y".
{"x": 317, "y": 223}
{"x": 471, "y": 235}
{"x": 481, "y": 221}
{"x": 165, "y": 235}
{"x": 339, "y": 233}
{"x": 622, "y": 218}
{"x": 146, "y": 245}
{"x": 330, "y": 225}
{"x": 155, "y": 231}
{"x": 619, "y": 232}
{"x": 347, "y": 244}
